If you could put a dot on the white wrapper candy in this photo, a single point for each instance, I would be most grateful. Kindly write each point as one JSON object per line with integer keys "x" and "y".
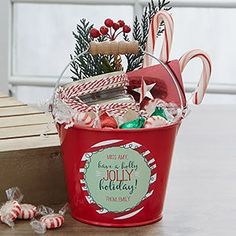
{"x": 27, "y": 211}
{"x": 49, "y": 219}
{"x": 9, "y": 212}
{"x": 151, "y": 105}
{"x": 11, "y": 209}
{"x": 155, "y": 121}
{"x": 83, "y": 119}
{"x": 52, "y": 221}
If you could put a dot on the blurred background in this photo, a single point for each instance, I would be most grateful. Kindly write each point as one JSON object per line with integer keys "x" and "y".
{"x": 36, "y": 41}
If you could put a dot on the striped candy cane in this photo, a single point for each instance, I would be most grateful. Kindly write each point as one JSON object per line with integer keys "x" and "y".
{"x": 168, "y": 37}
{"x": 206, "y": 72}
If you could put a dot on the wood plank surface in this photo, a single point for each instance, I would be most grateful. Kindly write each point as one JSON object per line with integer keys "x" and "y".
{"x": 18, "y": 110}
{"x": 34, "y": 171}
{"x": 23, "y": 120}
{"x": 2, "y": 95}
{"x": 28, "y": 143}
{"x": 27, "y": 131}
{"x": 9, "y": 102}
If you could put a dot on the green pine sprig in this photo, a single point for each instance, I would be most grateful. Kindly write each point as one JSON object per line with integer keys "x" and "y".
{"x": 88, "y": 65}
{"x": 91, "y": 65}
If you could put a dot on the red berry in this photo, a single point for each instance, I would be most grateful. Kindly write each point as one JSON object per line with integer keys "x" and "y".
{"x": 115, "y": 26}
{"x": 121, "y": 23}
{"x": 94, "y": 33}
{"x": 108, "y": 22}
{"x": 126, "y": 29}
{"x": 104, "y": 30}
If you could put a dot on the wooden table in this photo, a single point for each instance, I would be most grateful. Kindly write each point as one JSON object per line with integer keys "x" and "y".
{"x": 201, "y": 197}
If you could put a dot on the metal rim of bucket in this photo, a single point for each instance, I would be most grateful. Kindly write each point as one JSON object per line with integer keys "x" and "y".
{"x": 177, "y": 122}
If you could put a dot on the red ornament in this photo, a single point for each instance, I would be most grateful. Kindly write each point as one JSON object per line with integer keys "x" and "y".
{"x": 126, "y": 29}
{"x": 94, "y": 33}
{"x": 121, "y": 23}
{"x": 116, "y": 26}
{"x": 104, "y": 30}
{"x": 108, "y": 22}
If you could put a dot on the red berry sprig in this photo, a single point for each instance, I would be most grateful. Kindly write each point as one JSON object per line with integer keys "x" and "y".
{"x": 110, "y": 29}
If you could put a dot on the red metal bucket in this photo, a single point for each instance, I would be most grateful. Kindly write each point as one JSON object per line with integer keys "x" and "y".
{"x": 118, "y": 177}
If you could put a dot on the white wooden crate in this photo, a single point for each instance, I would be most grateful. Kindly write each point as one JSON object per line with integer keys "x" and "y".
{"x": 27, "y": 159}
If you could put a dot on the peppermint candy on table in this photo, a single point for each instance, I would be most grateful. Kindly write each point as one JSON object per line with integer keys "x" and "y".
{"x": 9, "y": 212}
{"x": 155, "y": 121}
{"x": 28, "y": 211}
{"x": 52, "y": 221}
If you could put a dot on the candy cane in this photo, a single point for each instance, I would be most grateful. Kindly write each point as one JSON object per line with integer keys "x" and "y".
{"x": 206, "y": 72}
{"x": 168, "y": 36}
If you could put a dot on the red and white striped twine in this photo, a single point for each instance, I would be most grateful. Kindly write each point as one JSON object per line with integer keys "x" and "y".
{"x": 116, "y": 108}
{"x": 95, "y": 86}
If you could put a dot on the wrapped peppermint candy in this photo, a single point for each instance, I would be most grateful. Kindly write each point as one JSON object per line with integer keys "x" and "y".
{"x": 155, "y": 121}
{"x": 27, "y": 211}
{"x": 129, "y": 115}
{"x": 83, "y": 119}
{"x": 49, "y": 219}
{"x": 161, "y": 113}
{"x": 11, "y": 209}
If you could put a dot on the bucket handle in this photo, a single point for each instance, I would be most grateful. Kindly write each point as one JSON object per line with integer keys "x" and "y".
{"x": 131, "y": 46}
